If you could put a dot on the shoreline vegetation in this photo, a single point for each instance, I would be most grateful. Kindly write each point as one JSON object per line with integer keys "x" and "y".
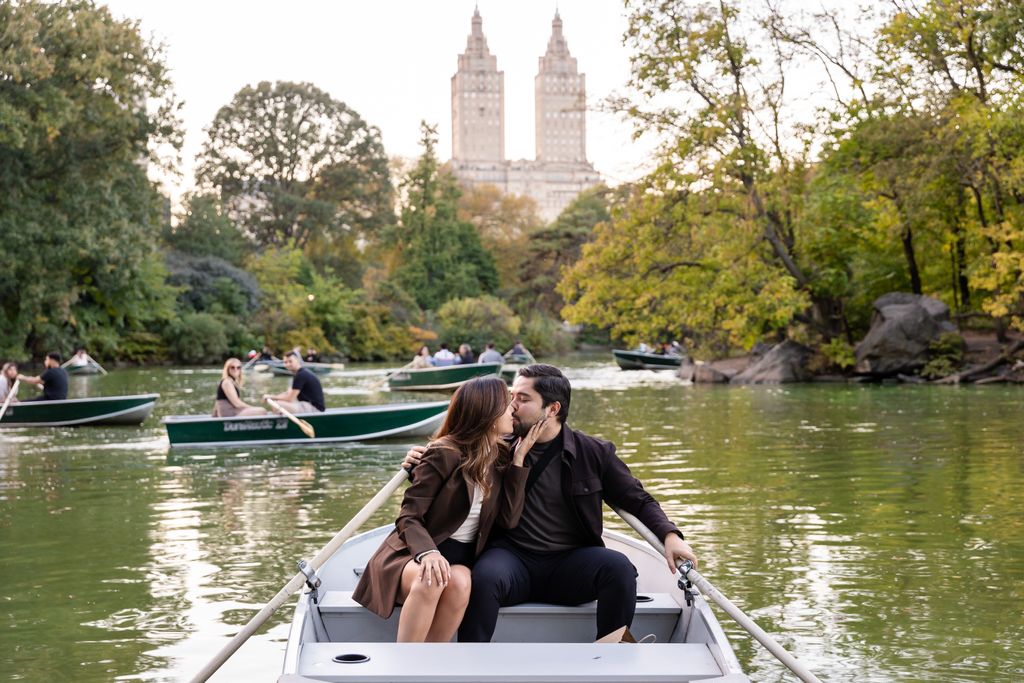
{"x": 868, "y": 215}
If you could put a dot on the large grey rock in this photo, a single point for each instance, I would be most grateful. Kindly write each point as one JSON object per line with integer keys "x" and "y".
{"x": 705, "y": 374}
{"x": 702, "y": 373}
{"x": 786, "y": 362}
{"x": 687, "y": 370}
{"x": 902, "y": 329}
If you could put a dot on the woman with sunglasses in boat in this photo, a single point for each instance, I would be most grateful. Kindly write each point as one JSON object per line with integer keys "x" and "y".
{"x": 229, "y": 402}
{"x": 471, "y": 483}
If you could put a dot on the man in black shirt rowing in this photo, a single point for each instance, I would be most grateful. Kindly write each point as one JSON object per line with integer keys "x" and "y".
{"x": 54, "y": 380}
{"x": 305, "y": 394}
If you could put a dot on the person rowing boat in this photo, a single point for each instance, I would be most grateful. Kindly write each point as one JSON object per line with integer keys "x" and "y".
{"x": 54, "y": 380}
{"x": 305, "y": 395}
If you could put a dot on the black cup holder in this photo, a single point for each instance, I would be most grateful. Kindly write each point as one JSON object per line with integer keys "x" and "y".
{"x": 644, "y": 598}
{"x": 351, "y": 659}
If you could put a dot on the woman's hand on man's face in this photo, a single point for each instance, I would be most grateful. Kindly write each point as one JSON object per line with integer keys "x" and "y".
{"x": 527, "y": 442}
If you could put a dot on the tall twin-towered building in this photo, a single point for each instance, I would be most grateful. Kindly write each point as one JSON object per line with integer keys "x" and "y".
{"x": 560, "y": 170}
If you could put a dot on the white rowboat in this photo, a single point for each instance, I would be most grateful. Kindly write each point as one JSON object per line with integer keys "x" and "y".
{"x": 533, "y": 642}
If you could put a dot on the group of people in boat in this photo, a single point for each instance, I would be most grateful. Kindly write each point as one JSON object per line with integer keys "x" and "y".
{"x": 305, "y": 394}
{"x": 664, "y": 348}
{"x": 505, "y": 507}
{"x": 444, "y": 356}
{"x": 53, "y": 380}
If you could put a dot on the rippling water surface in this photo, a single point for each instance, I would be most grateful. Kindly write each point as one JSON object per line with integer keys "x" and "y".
{"x": 876, "y": 531}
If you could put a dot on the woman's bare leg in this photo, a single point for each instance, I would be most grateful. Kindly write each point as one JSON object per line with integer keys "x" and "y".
{"x": 251, "y": 410}
{"x": 419, "y": 605}
{"x": 451, "y": 606}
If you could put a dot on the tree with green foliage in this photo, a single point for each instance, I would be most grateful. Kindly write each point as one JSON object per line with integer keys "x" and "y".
{"x": 85, "y": 104}
{"x": 205, "y": 230}
{"x": 441, "y": 256}
{"x": 757, "y": 224}
{"x": 296, "y": 167}
{"x": 708, "y": 244}
{"x": 302, "y": 307}
{"x": 550, "y": 250}
{"x": 477, "y": 321}
{"x": 506, "y": 224}
{"x": 933, "y": 128}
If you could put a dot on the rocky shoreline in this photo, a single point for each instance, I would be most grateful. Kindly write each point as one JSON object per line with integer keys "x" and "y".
{"x": 911, "y": 340}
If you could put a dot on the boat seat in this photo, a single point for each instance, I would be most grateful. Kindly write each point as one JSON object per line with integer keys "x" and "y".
{"x": 509, "y": 662}
{"x": 347, "y": 620}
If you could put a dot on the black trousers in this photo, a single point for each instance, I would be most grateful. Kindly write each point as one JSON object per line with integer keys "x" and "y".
{"x": 507, "y": 575}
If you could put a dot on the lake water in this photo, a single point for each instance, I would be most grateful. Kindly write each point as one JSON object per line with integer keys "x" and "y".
{"x": 876, "y": 531}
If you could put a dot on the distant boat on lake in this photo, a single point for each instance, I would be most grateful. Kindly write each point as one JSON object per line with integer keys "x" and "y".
{"x": 87, "y": 369}
{"x": 277, "y": 367}
{"x": 514, "y": 361}
{"x": 76, "y": 412}
{"x": 447, "y": 378}
{"x": 642, "y": 360}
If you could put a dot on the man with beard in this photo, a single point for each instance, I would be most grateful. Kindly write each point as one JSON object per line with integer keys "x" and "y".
{"x": 556, "y": 554}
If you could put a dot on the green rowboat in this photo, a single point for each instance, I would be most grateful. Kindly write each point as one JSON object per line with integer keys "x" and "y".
{"x": 277, "y": 367}
{"x": 362, "y": 423}
{"x": 441, "y": 379}
{"x": 101, "y": 410}
{"x": 514, "y": 361}
{"x": 640, "y": 360}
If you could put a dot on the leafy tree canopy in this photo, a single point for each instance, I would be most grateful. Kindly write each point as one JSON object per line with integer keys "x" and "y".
{"x": 543, "y": 258}
{"x": 205, "y": 230}
{"x": 477, "y": 321}
{"x": 441, "y": 256}
{"x": 85, "y": 104}
{"x": 293, "y": 165}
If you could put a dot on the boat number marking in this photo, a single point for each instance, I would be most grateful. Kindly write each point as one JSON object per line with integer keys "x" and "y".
{"x": 256, "y": 425}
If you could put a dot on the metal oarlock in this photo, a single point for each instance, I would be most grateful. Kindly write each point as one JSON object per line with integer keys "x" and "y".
{"x": 312, "y": 578}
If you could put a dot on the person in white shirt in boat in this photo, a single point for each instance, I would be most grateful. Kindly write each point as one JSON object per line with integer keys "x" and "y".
{"x": 444, "y": 357}
{"x": 8, "y": 376}
{"x": 81, "y": 359}
{"x": 229, "y": 402}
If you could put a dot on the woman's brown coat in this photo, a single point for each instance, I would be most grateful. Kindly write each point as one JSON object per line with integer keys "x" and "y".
{"x": 435, "y": 506}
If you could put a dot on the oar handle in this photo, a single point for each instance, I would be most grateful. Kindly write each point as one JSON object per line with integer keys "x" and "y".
{"x": 304, "y": 426}
{"x": 325, "y": 553}
{"x": 687, "y": 570}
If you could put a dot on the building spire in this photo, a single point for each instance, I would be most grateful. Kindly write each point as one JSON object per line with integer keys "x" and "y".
{"x": 557, "y": 47}
{"x": 476, "y": 43}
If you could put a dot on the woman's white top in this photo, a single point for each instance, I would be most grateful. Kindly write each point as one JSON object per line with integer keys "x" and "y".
{"x": 467, "y": 532}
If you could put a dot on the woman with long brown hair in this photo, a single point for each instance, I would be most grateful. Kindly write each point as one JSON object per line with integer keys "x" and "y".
{"x": 467, "y": 482}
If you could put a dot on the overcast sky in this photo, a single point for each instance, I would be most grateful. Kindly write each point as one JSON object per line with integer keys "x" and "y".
{"x": 390, "y": 60}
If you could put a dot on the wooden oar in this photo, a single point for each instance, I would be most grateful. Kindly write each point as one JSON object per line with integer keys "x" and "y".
{"x": 98, "y": 366}
{"x": 10, "y": 395}
{"x": 687, "y": 570}
{"x": 300, "y": 578}
{"x": 381, "y": 383}
{"x": 306, "y": 428}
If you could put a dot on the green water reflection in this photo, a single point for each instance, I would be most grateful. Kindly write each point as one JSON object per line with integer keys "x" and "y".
{"x": 877, "y": 531}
